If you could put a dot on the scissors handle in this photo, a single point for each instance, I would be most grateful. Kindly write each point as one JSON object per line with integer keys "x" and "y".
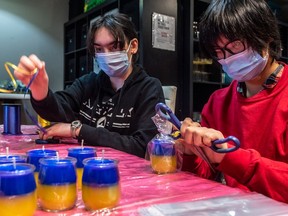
{"x": 170, "y": 116}
{"x": 220, "y": 141}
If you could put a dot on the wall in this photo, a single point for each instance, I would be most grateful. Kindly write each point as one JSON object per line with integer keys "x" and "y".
{"x": 34, "y": 26}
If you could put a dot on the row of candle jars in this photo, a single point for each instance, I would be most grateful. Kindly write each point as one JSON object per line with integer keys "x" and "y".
{"x": 51, "y": 181}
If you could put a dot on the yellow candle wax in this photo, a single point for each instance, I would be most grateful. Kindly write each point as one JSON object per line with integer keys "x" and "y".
{"x": 36, "y": 174}
{"x": 79, "y": 172}
{"x": 57, "y": 197}
{"x": 96, "y": 198}
{"x": 24, "y": 205}
{"x": 163, "y": 164}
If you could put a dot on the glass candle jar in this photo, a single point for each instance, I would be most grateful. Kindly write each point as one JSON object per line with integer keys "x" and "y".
{"x": 81, "y": 153}
{"x": 17, "y": 189}
{"x": 57, "y": 184}
{"x": 33, "y": 157}
{"x": 100, "y": 183}
{"x": 163, "y": 158}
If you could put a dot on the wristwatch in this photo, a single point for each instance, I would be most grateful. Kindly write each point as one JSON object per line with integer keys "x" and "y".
{"x": 74, "y": 126}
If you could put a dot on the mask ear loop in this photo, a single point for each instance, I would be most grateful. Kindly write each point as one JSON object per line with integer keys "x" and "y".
{"x": 132, "y": 53}
{"x": 35, "y": 73}
{"x": 129, "y": 46}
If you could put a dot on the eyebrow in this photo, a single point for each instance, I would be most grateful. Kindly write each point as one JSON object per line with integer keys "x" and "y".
{"x": 109, "y": 44}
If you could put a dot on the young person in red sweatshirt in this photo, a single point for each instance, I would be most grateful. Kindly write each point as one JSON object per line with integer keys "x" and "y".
{"x": 243, "y": 37}
{"x": 112, "y": 107}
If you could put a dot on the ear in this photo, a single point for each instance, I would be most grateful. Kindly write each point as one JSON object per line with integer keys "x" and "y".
{"x": 134, "y": 46}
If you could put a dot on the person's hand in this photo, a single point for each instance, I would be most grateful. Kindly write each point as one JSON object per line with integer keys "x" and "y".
{"x": 56, "y": 130}
{"x": 39, "y": 86}
{"x": 195, "y": 135}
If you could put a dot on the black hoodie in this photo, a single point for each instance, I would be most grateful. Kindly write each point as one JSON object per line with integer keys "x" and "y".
{"x": 120, "y": 120}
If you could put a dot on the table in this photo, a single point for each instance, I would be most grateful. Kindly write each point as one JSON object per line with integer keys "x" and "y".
{"x": 146, "y": 193}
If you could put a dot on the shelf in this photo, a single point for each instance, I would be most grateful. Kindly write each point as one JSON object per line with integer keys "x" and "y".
{"x": 208, "y": 82}
{"x": 14, "y": 96}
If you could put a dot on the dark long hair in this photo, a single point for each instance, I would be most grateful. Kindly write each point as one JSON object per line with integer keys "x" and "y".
{"x": 251, "y": 21}
{"x": 119, "y": 25}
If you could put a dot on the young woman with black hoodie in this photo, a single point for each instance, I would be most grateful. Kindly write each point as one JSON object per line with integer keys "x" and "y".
{"x": 110, "y": 107}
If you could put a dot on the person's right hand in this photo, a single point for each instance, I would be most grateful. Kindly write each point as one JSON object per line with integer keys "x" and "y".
{"x": 39, "y": 86}
{"x": 194, "y": 135}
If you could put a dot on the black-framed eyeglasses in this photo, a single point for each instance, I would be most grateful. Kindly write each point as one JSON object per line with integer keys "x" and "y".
{"x": 233, "y": 47}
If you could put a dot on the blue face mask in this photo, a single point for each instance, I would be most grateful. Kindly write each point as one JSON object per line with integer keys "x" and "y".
{"x": 244, "y": 66}
{"x": 114, "y": 64}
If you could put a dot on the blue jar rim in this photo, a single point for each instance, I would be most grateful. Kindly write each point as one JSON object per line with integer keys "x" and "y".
{"x": 100, "y": 161}
{"x": 19, "y": 158}
{"x": 60, "y": 161}
{"x": 41, "y": 152}
{"x": 23, "y": 184}
{"x": 82, "y": 150}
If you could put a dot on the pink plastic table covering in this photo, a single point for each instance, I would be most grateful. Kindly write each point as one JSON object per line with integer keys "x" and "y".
{"x": 143, "y": 191}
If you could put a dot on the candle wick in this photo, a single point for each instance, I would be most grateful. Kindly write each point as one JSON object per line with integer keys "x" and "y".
{"x": 14, "y": 162}
{"x": 103, "y": 155}
{"x": 82, "y": 143}
{"x": 7, "y": 152}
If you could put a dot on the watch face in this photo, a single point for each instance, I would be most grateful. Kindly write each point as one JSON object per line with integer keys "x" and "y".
{"x": 76, "y": 123}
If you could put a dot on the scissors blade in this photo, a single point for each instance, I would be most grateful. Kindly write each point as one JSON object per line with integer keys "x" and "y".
{"x": 204, "y": 157}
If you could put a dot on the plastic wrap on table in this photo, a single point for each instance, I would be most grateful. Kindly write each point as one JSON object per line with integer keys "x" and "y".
{"x": 239, "y": 205}
{"x": 142, "y": 191}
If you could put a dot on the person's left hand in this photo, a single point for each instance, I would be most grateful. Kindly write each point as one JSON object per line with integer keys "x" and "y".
{"x": 57, "y": 130}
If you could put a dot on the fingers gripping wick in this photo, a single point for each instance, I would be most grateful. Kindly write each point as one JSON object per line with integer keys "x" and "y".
{"x": 32, "y": 79}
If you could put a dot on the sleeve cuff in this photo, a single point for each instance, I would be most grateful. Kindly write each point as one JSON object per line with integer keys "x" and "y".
{"x": 238, "y": 165}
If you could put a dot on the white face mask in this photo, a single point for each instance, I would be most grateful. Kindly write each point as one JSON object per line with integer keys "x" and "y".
{"x": 114, "y": 64}
{"x": 244, "y": 66}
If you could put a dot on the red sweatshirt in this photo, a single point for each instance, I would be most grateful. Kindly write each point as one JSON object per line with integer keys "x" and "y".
{"x": 261, "y": 124}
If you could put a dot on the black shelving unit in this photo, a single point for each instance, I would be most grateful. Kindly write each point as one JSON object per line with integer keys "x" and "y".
{"x": 201, "y": 76}
{"x": 196, "y": 78}
{"x": 205, "y": 77}
{"x": 77, "y": 60}
{"x": 284, "y": 39}
{"x": 159, "y": 63}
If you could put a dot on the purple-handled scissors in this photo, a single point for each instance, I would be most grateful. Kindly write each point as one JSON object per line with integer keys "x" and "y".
{"x": 170, "y": 116}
